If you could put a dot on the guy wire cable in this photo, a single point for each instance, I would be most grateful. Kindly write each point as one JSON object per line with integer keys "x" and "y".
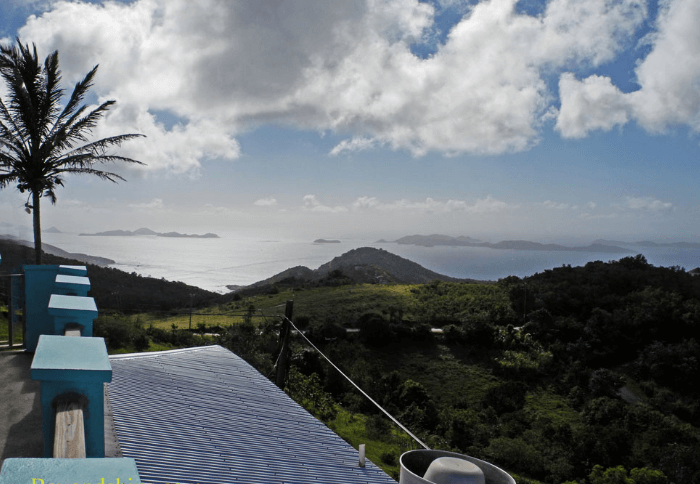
{"x": 358, "y": 388}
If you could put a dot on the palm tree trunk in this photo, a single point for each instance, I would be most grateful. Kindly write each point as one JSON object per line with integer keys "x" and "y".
{"x": 37, "y": 226}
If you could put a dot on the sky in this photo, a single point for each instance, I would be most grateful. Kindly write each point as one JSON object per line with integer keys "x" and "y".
{"x": 553, "y": 121}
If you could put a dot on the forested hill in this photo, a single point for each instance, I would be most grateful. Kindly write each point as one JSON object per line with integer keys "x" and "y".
{"x": 394, "y": 267}
{"x": 548, "y": 376}
{"x": 358, "y": 266}
{"x": 115, "y": 289}
{"x": 610, "y": 313}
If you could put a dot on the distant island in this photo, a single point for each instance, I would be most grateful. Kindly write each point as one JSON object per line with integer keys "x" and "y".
{"x": 145, "y": 231}
{"x": 649, "y": 244}
{"x": 325, "y": 241}
{"x": 462, "y": 241}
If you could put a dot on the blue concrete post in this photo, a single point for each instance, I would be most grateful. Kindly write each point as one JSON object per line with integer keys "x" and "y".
{"x": 44, "y": 471}
{"x": 38, "y": 286}
{"x": 72, "y": 270}
{"x": 71, "y": 285}
{"x": 73, "y": 365}
{"x": 72, "y": 309}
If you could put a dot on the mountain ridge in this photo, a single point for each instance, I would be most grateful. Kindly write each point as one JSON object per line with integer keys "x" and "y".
{"x": 361, "y": 265}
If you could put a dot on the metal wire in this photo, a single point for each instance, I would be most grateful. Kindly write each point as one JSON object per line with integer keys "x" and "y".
{"x": 358, "y": 388}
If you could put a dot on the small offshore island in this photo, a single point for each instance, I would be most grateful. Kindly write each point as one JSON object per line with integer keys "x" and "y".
{"x": 145, "y": 231}
{"x": 462, "y": 241}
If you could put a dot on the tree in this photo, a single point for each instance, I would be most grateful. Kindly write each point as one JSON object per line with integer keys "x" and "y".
{"x": 42, "y": 141}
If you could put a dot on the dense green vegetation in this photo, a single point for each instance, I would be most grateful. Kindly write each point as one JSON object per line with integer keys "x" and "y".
{"x": 576, "y": 374}
{"x": 547, "y": 376}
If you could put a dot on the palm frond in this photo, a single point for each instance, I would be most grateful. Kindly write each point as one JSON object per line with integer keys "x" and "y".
{"x": 88, "y": 122}
{"x": 105, "y": 175}
{"x": 12, "y": 134}
{"x": 6, "y": 179}
{"x": 6, "y": 117}
{"x": 99, "y": 148}
{"x": 51, "y": 93}
{"x": 79, "y": 92}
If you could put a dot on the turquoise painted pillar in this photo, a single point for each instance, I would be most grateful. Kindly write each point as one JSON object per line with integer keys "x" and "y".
{"x": 39, "y": 282}
{"x": 45, "y": 471}
{"x": 73, "y": 365}
{"x": 38, "y": 287}
{"x": 72, "y": 270}
{"x": 71, "y": 285}
{"x": 72, "y": 310}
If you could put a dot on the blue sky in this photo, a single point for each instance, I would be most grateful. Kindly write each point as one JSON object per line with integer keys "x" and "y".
{"x": 554, "y": 121}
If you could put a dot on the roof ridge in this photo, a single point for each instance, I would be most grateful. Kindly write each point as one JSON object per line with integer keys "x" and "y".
{"x": 147, "y": 354}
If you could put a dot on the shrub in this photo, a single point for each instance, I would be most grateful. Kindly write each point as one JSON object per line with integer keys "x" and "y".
{"x": 116, "y": 332}
{"x": 141, "y": 341}
{"x": 389, "y": 458}
{"x": 375, "y": 330}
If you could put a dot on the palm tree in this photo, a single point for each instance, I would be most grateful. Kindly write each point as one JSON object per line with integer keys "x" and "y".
{"x": 42, "y": 141}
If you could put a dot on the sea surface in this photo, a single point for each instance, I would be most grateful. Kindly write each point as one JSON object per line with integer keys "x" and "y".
{"x": 236, "y": 259}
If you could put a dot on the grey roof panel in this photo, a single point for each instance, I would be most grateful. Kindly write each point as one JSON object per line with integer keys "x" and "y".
{"x": 204, "y": 415}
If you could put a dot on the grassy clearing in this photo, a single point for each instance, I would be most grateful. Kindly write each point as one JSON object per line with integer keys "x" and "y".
{"x": 446, "y": 372}
{"x": 544, "y": 404}
{"x": 4, "y": 328}
{"x": 340, "y": 304}
{"x": 345, "y": 304}
{"x": 383, "y": 450}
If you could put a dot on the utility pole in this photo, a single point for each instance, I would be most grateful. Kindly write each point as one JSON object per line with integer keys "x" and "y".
{"x": 285, "y": 330}
{"x": 191, "y": 299}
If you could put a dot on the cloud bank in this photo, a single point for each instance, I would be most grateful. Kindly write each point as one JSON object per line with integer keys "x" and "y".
{"x": 669, "y": 77}
{"x": 217, "y": 67}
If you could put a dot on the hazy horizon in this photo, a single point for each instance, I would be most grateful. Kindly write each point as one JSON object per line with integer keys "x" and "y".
{"x": 25, "y": 232}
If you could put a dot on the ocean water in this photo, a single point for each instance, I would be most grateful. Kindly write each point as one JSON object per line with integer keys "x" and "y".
{"x": 239, "y": 259}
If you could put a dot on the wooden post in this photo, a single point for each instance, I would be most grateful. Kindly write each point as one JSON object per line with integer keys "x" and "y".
{"x": 288, "y": 309}
{"x": 72, "y": 330}
{"x": 10, "y": 316}
{"x": 281, "y": 376}
{"x": 69, "y": 436}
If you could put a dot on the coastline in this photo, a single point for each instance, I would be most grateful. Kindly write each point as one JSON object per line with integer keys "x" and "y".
{"x": 240, "y": 260}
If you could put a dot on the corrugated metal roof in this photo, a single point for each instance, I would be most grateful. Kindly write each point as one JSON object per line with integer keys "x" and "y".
{"x": 203, "y": 415}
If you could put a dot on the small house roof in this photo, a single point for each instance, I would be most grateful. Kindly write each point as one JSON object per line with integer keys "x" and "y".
{"x": 204, "y": 415}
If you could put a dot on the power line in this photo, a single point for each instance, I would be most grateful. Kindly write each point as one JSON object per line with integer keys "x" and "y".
{"x": 358, "y": 388}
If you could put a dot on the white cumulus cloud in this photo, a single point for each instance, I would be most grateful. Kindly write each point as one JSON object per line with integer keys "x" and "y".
{"x": 646, "y": 203}
{"x": 156, "y": 203}
{"x": 266, "y": 202}
{"x": 221, "y": 66}
{"x": 485, "y": 205}
{"x": 313, "y": 205}
{"x": 594, "y": 103}
{"x": 669, "y": 77}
